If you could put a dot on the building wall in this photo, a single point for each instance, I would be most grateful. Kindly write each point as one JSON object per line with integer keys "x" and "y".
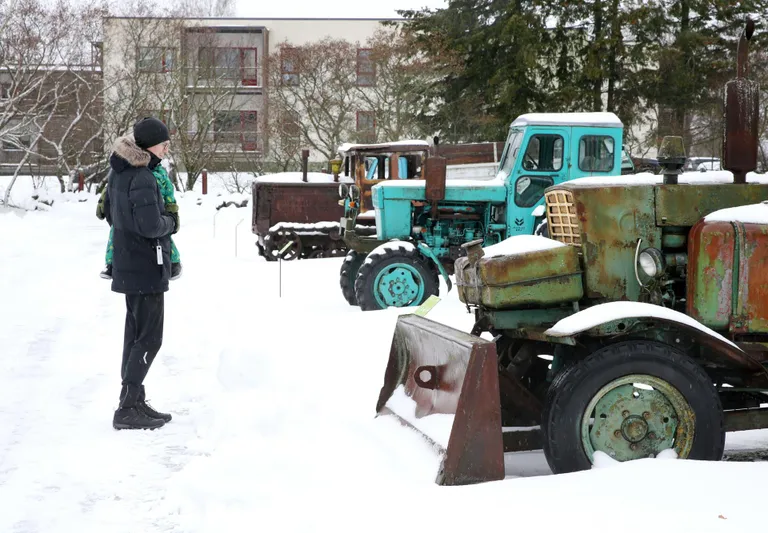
{"x": 123, "y": 35}
{"x": 82, "y": 138}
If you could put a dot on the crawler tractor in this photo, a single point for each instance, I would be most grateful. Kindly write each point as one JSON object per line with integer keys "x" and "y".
{"x": 639, "y": 328}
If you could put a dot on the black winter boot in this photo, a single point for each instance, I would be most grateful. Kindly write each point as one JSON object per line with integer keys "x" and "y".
{"x": 148, "y": 410}
{"x": 129, "y": 415}
{"x": 107, "y": 272}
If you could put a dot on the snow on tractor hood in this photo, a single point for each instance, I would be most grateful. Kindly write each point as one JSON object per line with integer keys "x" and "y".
{"x": 646, "y": 178}
{"x": 521, "y": 244}
{"x": 745, "y": 214}
{"x": 609, "y": 312}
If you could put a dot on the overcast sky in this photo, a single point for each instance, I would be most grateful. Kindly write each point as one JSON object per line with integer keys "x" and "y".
{"x": 330, "y": 8}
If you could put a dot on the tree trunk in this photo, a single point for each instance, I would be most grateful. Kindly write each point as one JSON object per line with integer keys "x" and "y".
{"x": 597, "y": 88}
{"x": 612, "y": 56}
{"x": 680, "y": 111}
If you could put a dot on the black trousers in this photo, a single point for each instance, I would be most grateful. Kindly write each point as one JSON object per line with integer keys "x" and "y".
{"x": 143, "y": 336}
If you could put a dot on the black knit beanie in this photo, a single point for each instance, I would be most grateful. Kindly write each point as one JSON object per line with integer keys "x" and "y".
{"x": 150, "y": 131}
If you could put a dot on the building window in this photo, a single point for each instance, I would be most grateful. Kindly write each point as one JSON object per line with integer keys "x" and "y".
{"x": 16, "y": 143}
{"x": 236, "y": 127}
{"x": 154, "y": 59}
{"x": 366, "y": 126}
{"x": 596, "y": 153}
{"x": 291, "y": 124}
{"x": 544, "y": 153}
{"x": 289, "y": 68}
{"x": 366, "y": 70}
{"x": 250, "y": 127}
{"x": 5, "y": 91}
{"x": 229, "y": 64}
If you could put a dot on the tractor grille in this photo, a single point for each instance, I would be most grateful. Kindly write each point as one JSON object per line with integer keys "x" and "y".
{"x": 561, "y": 218}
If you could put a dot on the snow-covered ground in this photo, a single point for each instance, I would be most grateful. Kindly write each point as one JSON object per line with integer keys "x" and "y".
{"x": 273, "y": 388}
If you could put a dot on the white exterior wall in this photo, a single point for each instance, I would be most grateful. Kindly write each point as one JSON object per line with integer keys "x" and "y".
{"x": 118, "y": 57}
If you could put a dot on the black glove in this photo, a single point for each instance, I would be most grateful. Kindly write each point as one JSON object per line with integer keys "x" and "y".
{"x": 173, "y": 211}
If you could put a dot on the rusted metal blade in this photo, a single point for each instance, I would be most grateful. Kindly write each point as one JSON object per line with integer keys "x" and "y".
{"x": 434, "y": 371}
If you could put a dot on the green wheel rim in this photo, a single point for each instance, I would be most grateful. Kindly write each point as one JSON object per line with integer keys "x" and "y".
{"x": 637, "y": 416}
{"x": 398, "y": 285}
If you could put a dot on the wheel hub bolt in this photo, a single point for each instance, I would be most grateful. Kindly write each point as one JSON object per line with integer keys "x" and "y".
{"x": 617, "y": 433}
{"x": 633, "y": 446}
{"x": 625, "y": 414}
{"x": 646, "y": 415}
{"x": 651, "y": 435}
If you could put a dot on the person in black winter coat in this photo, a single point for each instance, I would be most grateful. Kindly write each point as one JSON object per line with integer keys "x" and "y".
{"x": 141, "y": 265}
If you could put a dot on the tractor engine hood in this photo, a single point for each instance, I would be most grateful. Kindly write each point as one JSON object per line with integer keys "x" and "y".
{"x": 520, "y": 272}
{"x": 490, "y": 191}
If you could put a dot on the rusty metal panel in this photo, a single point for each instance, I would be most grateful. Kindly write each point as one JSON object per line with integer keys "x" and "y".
{"x": 710, "y": 273}
{"x": 686, "y": 204}
{"x": 440, "y": 370}
{"x": 741, "y": 127}
{"x": 470, "y": 153}
{"x": 296, "y": 202}
{"x": 752, "y": 305}
{"x": 613, "y": 219}
{"x": 544, "y": 277}
{"x": 435, "y": 171}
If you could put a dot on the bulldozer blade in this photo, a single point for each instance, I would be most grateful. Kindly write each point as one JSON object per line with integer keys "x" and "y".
{"x": 444, "y": 383}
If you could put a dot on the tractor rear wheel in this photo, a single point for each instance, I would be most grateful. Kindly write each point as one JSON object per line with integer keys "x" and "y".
{"x": 632, "y": 400}
{"x": 398, "y": 277}
{"x": 348, "y": 273}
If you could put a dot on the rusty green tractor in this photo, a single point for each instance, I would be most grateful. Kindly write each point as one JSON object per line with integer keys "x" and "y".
{"x": 638, "y": 329}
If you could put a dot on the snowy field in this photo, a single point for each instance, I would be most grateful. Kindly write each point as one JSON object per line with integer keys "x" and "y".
{"x": 273, "y": 393}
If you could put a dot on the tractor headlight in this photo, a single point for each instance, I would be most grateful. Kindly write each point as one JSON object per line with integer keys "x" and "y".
{"x": 343, "y": 190}
{"x": 354, "y": 192}
{"x": 651, "y": 262}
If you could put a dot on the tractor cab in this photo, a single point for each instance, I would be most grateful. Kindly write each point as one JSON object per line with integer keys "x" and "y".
{"x": 370, "y": 164}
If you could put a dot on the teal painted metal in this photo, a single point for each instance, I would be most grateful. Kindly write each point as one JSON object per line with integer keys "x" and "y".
{"x": 637, "y": 416}
{"x": 529, "y": 318}
{"x": 427, "y": 252}
{"x": 373, "y": 167}
{"x": 398, "y": 285}
{"x": 537, "y": 155}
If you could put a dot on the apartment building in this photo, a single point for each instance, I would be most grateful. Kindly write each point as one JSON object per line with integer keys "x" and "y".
{"x": 50, "y": 114}
{"x": 219, "y": 69}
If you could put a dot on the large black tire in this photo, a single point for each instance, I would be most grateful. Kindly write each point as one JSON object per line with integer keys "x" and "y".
{"x": 573, "y": 389}
{"x": 347, "y": 275}
{"x": 364, "y": 283}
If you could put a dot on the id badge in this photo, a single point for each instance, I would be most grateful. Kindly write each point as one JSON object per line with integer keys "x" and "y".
{"x": 159, "y": 250}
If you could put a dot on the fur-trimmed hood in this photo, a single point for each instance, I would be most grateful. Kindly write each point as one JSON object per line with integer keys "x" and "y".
{"x": 126, "y": 148}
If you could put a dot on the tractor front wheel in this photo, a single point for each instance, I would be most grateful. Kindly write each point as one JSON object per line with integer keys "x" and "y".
{"x": 397, "y": 277}
{"x": 632, "y": 400}
{"x": 348, "y": 273}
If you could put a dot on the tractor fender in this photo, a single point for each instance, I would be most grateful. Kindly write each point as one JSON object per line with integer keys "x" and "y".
{"x": 673, "y": 327}
{"x": 427, "y": 252}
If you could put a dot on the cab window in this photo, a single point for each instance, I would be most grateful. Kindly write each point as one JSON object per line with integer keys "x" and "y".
{"x": 544, "y": 153}
{"x": 596, "y": 153}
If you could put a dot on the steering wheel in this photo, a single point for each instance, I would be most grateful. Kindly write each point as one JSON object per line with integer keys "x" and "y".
{"x": 531, "y": 163}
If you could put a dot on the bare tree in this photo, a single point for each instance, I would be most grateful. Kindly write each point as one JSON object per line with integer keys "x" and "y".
{"x": 391, "y": 78}
{"x": 45, "y": 90}
{"x": 318, "y": 82}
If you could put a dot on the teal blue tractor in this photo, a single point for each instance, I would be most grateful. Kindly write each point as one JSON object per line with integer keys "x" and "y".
{"x": 421, "y": 225}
